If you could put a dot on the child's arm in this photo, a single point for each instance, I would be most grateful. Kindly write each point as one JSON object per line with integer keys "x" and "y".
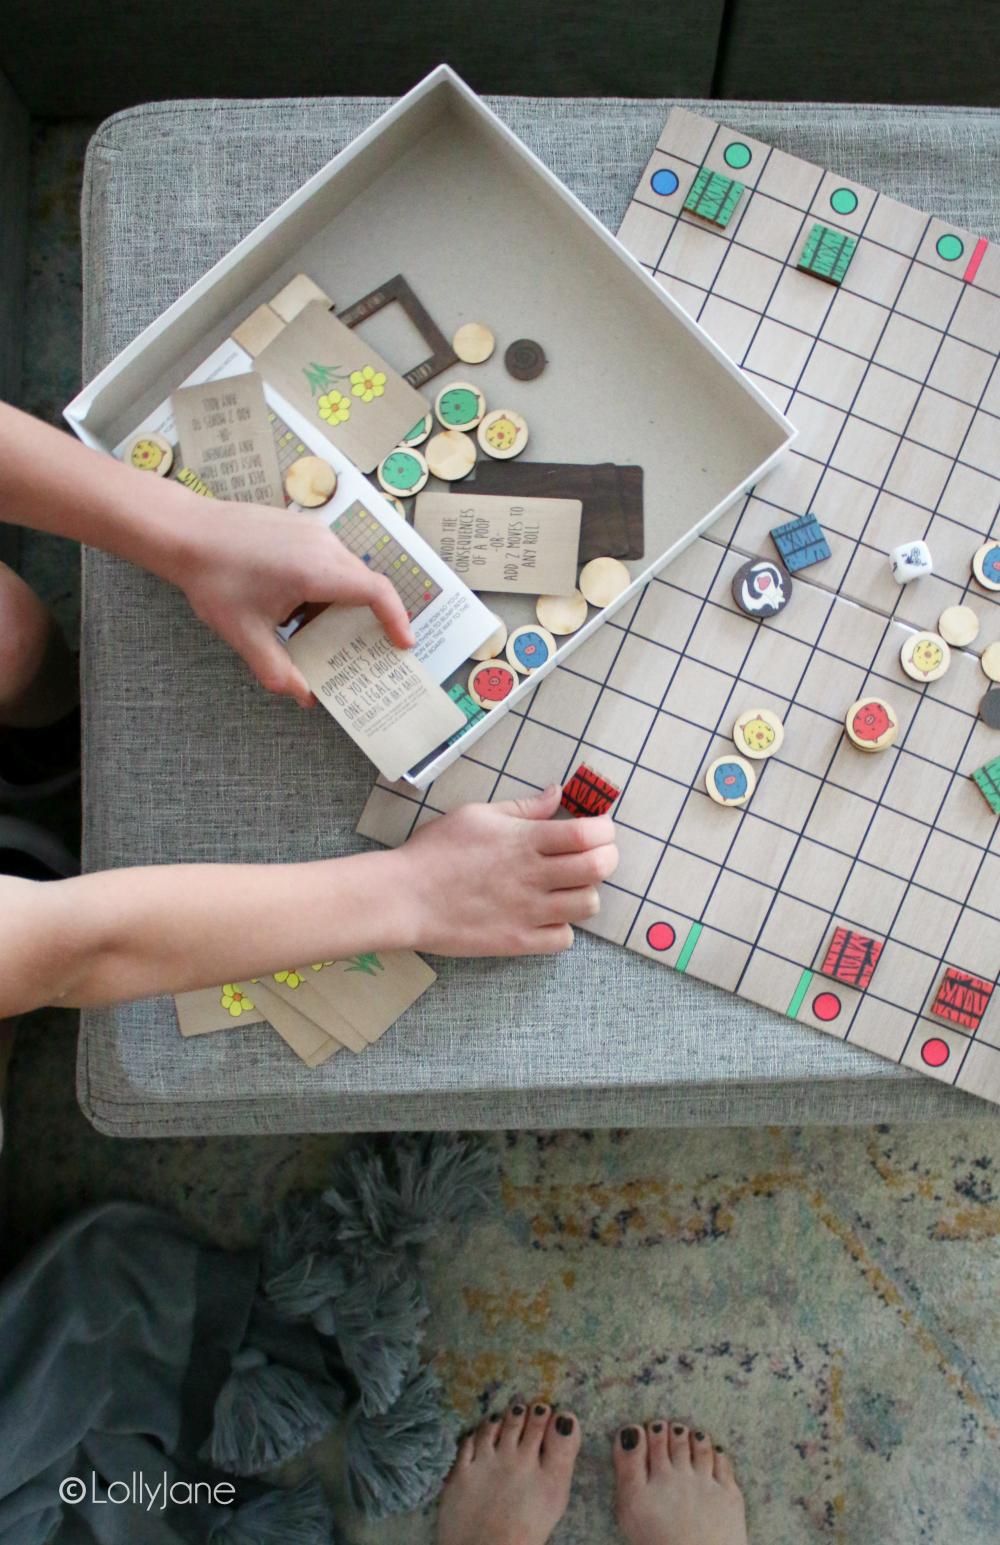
{"x": 243, "y": 568}
{"x": 485, "y": 880}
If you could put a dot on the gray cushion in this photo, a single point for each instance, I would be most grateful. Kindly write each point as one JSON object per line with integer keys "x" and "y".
{"x": 187, "y": 758}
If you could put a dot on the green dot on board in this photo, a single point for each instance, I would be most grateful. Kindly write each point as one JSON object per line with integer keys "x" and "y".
{"x": 737, "y": 155}
{"x": 950, "y": 248}
{"x": 843, "y": 201}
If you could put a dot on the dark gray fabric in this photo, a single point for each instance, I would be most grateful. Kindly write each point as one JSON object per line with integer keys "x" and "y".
{"x": 861, "y": 51}
{"x": 92, "y": 57}
{"x": 14, "y": 130}
{"x": 186, "y": 758}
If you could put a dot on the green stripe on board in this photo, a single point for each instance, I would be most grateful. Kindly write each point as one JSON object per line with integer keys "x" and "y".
{"x": 689, "y": 944}
{"x": 799, "y": 994}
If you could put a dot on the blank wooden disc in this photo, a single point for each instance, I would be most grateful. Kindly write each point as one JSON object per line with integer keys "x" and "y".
{"x": 602, "y": 580}
{"x": 450, "y": 455}
{"x": 990, "y": 661}
{"x": 310, "y": 481}
{"x": 925, "y": 657}
{"x": 494, "y": 644}
{"x": 986, "y": 565}
{"x": 148, "y": 451}
{"x": 758, "y": 733}
{"x": 491, "y": 682}
{"x": 958, "y": 625}
{"x": 730, "y": 780}
{"x": 473, "y": 343}
{"x": 530, "y": 647}
{"x": 871, "y": 724}
{"x": 562, "y": 613}
{"x": 503, "y": 434}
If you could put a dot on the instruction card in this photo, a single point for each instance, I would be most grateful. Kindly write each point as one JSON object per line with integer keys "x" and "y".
{"x": 522, "y": 546}
{"x": 379, "y": 694}
{"x": 225, "y": 435}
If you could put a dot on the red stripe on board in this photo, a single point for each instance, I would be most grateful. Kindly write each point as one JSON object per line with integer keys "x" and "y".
{"x": 976, "y": 259}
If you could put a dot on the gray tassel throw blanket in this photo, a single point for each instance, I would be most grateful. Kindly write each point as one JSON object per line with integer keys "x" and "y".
{"x": 148, "y": 1382}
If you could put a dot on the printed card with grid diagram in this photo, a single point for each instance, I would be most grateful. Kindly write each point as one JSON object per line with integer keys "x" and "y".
{"x": 882, "y": 870}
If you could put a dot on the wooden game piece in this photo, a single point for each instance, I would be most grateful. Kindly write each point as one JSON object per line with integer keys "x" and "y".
{"x": 987, "y": 780}
{"x": 800, "y": 543}
{"x": 989, "y": 708}
{"x": 460, "y": 406}
{"x": 990, "y": 661}
{"x": 909, "y": 561}
{"x": 602, "y": 581}
{"x": 871, "y": 724}
{"x": 450, "y": 455}
{"x": 403, "y": 471}
{"x": 503, "y": 434}
{"x": 398, "y": 506}
{"x": 311, "y": 482}
{"x": 851, "y": 958}
{"x": 562, "y": 614}
{"x": 473, "y": 343}
{"x": 491, "y": 682}
{"x": 986, "y": 565}
{"x": 490, "y": 650}
{"x": 730, "y": 780}
{"x": 260, "y": 328}
{"x": 296, "y": 296}
{"x": 525, "y": 359}
{"x": 958, "y": 625}
{"x": 612, "y": 497}
{"x": 714, "y": 197}
{"x": 418, "y": 434}
{"x": 190, "y": 480}
{"x": 521, "y": 546}
{"x": 758, "y": 733}
{"x": 398, "y": 290}
{"x": 962, "y": 998}
{"x": 149, "y": 452}
{"x": 762, "y": 588}
{"x": 529, "y": 648}
{"x": 925, "y": 656}
{"x": 827, "y": 254}
{"x": 471, "y": 710}
{"x": 587, "y": 793}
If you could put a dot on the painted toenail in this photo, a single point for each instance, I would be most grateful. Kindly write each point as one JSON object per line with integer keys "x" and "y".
{"x": 564, "y": 1426}
{"x": 719, "y": 1449}
{"x": 539, "y": 1410}
{"x": 630, "y": 1438}
{"x": 494, "y": 1417}
{"x": 657, "y": 1426}
{"x": 699, "y": 1437}
{"x": 517, "y": 1410}
{"x": 678, "y": 1430}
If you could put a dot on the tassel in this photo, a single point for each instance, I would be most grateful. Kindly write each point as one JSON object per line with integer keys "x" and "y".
{"x": 300, "y": 1517}
{"x": 400, "y": 1459}
{"x": 264, "y": 1415}
{"x": 378, "y": 1329}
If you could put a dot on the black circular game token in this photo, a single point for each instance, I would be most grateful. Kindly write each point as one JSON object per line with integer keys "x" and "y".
{"x": 525, "y": 359}
{"x": 762, "y": 588}
{"x": 989, "y": 708}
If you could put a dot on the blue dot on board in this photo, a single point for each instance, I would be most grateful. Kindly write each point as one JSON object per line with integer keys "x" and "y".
{"x": 738, "y": 156}
{"x": 731, "y": 780}
{"x": 844, "y": 201}
{"x": 950, "y": 248}
{"x": 664, "y": 182}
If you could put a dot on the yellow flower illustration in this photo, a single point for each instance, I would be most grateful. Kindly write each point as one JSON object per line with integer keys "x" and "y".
{"x": 290, "y": 978}
{"x": 319, "y": 964}
{"x": 367, "y": 383}
{"x": 335, "y": 407}
{"x": 235, "y": 1001}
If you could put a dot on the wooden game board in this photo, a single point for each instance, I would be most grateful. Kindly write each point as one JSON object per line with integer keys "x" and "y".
{"x": 892, "y": 380}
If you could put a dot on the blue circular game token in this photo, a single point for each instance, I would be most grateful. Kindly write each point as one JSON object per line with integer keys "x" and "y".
{"x": 530, "y": 647}
{"x": 664, "y": 182}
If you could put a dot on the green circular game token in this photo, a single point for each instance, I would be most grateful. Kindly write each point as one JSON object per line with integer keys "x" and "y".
{"x": 844, "y": 201}
{"x": 738, "y": 156}
{"x": 950, "y": 248}
{"x": 403, "y": 472}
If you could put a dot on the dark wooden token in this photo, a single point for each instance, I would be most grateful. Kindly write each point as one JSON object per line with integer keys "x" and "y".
{"x": 525, "y": 359}
{"x": 762, "y": 588}
{"x": 989, "y": 708}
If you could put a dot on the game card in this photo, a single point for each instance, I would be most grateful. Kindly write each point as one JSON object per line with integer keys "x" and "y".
{"x": 215, "y": 1008}
{"x": 224, "y": 429}
{"x": 495, "y": 542}
{"x": 341, "y": 385}
{"x": 373, "y": 989}
{"x": 380, "y": 695}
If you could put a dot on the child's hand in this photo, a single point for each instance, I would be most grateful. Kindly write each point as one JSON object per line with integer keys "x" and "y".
{"x": 246, "y": 569}
{"x": 503, "y": 879}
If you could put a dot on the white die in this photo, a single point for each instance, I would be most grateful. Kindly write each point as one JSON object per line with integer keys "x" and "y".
{"x": 910, "y": 561}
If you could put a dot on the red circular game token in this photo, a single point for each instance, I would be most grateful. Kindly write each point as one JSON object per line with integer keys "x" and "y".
{"x": 935, "y": 1052}
{"x": 826, "y": 1006}
{"x": 660, "y": 936}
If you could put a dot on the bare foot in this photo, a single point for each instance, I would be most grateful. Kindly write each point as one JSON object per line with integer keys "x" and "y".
{"x": 510, "y": 1482}
{"x": 674, "y": 1488}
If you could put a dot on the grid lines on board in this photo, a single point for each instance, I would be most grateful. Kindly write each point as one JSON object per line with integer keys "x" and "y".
{"x": 368, "y": 539}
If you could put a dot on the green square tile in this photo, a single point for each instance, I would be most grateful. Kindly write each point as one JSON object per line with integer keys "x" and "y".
{"x": 827, "y": 254}
{"x": 988, "y": 780}
{"x": 713, "y": 197}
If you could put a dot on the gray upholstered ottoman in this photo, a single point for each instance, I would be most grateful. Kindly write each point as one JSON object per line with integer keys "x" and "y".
{"x": 187, "y": 759}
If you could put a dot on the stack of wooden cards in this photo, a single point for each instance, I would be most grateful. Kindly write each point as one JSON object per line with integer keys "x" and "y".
{"x": 318, "y": 1009}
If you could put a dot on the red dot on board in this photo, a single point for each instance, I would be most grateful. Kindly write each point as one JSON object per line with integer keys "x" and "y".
{"x": 660, "y": 936}
{"x": 826, "y": 1006}
{"x": 935, "y": 1052}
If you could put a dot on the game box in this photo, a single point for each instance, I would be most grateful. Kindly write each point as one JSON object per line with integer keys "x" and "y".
{"x": 440, "y": 191}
